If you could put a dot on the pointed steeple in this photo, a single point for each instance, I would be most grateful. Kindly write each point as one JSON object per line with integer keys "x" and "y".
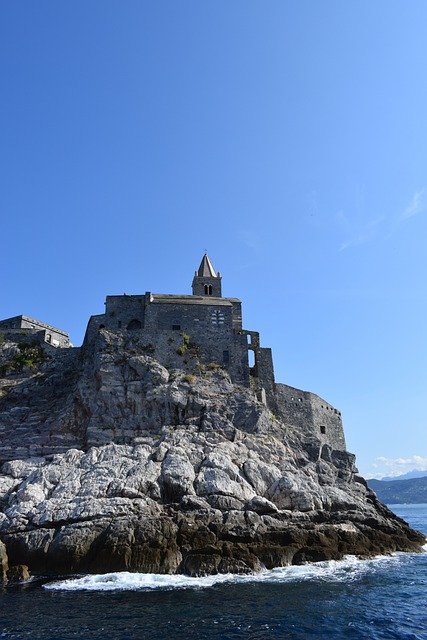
{"x": 206, "y": 281}
{"x": 206, "y": 269}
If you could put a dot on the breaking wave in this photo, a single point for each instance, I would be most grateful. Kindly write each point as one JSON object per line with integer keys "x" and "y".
{"x": 349, "y": 569}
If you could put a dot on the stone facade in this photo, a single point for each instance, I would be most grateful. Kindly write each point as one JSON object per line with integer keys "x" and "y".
{"x": 198, "y": 332}
{"x": 311, "y": 415}
{"x": 45, "y": 332}
{"x": 177, "y": 330}
{"x": 184, "y": 331}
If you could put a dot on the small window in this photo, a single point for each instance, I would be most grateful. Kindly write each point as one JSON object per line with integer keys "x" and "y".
{"x": 176, "y": 327}
{"x": 322, "y": 429}
{"x": 208, "y": 289}
{"x": 120, "y": 324}
{"x": 226, "y": 357}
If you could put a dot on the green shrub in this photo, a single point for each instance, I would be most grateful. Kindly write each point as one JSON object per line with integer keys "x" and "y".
{"x": 28, "y": 357}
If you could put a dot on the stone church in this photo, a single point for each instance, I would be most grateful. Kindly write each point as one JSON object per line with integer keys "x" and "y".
{"x": 192, "y": 332}
{"x": 211, "y": 325}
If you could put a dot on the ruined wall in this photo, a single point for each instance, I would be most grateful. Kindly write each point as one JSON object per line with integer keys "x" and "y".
{"x": 266, "y": 372}
{"x": 263, "y": 370}
{"x": 310, "y": 414}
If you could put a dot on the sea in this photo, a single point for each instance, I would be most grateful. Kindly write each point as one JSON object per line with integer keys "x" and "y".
{"x": 382, "y": 598}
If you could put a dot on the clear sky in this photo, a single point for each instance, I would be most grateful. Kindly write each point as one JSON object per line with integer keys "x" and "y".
{"x": 288, "y": 139}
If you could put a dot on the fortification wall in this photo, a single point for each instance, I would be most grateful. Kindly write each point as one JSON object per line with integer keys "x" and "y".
{"x": 310, "y": 414}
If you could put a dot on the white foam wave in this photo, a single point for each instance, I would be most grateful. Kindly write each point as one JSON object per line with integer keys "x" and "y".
{"x": 348, "y": 570}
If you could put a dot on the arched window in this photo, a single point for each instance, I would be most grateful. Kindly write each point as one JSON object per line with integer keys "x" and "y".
{"x": 134, "y": 325}
{"x": 208, "y": 289}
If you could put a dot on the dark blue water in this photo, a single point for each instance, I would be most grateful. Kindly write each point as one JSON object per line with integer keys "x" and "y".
{"x": 385, "y": 598}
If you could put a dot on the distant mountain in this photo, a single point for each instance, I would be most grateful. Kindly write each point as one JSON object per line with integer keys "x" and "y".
{"x": 411, "y": 491}
{"x": 406, "y": 476}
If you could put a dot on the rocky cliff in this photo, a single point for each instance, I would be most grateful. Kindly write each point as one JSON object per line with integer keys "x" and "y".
{"x": 112, "y": 462}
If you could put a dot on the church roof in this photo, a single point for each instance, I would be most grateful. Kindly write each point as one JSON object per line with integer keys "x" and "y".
{"x": 206, "y": 269}
{"x": 165, "y": 298}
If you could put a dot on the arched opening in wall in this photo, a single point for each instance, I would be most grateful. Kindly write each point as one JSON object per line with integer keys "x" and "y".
{"x": 208, "y": 289}
{"x": 134, "y": 325}
{"x": 251, "y": 358}
{"x": 101, "y": 326}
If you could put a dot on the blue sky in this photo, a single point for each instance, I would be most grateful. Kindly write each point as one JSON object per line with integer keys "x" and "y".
{"x": 287, "y": 139}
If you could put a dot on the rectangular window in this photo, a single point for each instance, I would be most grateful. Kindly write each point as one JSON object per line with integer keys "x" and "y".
{"x": 226, "y": 357}
{"x": 176, "y": 327}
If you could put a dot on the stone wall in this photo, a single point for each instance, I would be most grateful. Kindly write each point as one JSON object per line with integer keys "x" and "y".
{"x": 266, "y": 372}
{"x": 310, "y": 414}
{"x": 120, "y": 311}
{"x": 213, "y": 326}
{"x": 47, "y": 333}
{"x": 179, "y": 331}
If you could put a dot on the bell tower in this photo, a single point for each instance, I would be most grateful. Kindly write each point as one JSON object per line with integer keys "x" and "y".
{"x": 206, "y": 281}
